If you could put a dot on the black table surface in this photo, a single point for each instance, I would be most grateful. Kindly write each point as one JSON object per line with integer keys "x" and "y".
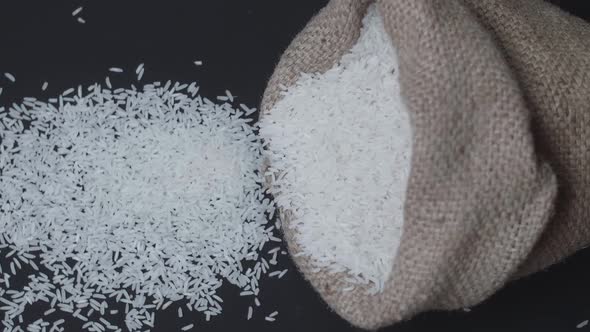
{"x": 239, "y": 43}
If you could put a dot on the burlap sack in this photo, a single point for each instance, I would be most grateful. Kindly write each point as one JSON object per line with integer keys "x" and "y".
{"x": 499, "y": 97}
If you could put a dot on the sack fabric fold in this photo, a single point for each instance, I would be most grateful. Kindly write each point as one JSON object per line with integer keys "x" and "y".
{"x": 498, "y": 93}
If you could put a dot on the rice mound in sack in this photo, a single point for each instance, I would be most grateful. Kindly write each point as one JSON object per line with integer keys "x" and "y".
{"x": 425, "y": 153}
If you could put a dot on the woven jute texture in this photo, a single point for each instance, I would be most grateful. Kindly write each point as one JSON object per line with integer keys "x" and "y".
{"x": 499, "y": 100}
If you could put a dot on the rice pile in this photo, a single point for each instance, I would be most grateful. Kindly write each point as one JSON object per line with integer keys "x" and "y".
{"x": 137, "y": 197}
{"x": 339, "y": 150}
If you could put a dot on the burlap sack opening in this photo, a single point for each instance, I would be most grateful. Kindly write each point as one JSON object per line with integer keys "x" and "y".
{"x": 497, "y": 93}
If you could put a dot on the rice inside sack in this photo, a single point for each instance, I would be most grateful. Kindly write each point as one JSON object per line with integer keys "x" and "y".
{"x": 495, "y": 133}
{"x": 340, "y": 143}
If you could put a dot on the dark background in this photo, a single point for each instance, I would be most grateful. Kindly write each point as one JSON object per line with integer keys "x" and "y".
{"x": 239, "y": 43}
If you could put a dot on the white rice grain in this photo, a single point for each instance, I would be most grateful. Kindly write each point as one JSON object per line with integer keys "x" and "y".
{"x": 283, "y": 273}
{"x": 139, "y": 68}
{"x": 10, "y": 77}
{"x": 77, "y": 11}
{"x": 230, "y": 97}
